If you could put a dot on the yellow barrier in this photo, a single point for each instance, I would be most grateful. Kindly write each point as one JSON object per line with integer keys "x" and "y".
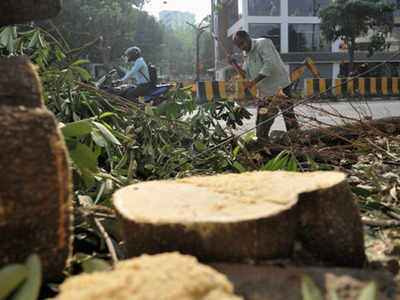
{"x": 210, "y": 90}
{"x": 347, "y": 87}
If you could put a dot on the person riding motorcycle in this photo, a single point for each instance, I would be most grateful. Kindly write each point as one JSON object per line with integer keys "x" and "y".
{"x": 139, "y": 72}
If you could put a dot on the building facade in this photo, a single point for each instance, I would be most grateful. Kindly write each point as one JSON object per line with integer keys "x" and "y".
{"x": 293, "y": 26}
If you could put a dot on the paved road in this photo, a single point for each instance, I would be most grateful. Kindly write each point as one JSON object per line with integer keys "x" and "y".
{"x": 323, "y": 112}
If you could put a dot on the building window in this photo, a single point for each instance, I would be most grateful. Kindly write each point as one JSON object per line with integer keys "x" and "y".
{"x": 271, "y": 31}
{"x": 264, "y": 7}
{"x": 232, "y": 12}
{"x": 307, "y": 38}
{"x": 306, "y": 8}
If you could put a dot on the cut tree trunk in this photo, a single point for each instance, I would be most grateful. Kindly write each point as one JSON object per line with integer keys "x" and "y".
{"x": 17, "y": 12}
{"x": 19, "y": 83}
{"x": 35, "y": 184}
{"x": 235, "y": 217}
{"x": 272, "y": 282}
{"x": 169, "y": 276}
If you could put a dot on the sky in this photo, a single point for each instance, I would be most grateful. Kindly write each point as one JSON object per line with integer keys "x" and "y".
{"x": 200, "y": 8}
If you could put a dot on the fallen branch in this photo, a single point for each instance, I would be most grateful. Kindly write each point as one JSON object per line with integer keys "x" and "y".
{"x": 347, "y": 133}
{"x": 380, "y": 223}
{"x": 108, "y": 241}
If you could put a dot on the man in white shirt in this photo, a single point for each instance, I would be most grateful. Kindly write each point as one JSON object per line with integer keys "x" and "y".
{"x": 264, "y": 68}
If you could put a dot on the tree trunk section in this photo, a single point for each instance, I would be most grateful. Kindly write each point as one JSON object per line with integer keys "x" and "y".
{"x": 35, "y": 184}
{"x": 237, "y": 217}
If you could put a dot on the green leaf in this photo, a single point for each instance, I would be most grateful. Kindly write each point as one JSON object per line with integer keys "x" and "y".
{"x": 31, "y": 287}
{"x": 98, "y": 138}
{"x": 106, "y": 114}
{"x": 361, "y": 191}
{"x": 8, "y": 38}
{"x": 59, "y": 54}
{"x": 77, "y": 129}
{"x": 84, "y": 158}
{"x": 200, "y": 146}
{"x": 107, "y": 134}
{"x": 34, "y": 40}
{"x": 369, "y": 292}
{"x": 236, "y": 151}
{"x": 80, "y": 62}
{"x": 239, "y": 167}
{"x": 309, "y": 290}
{"x": 84, "y": 74}
{"x": 95, "y": 265}
{"x": 292, "y": 165}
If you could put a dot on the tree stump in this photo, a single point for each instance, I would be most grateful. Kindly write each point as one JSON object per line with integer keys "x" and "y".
{"x": 168, "y": 276}
{"x": 235, "y": 217}
{"x": 35, "y": 184}
{"x": 17, "y": 12}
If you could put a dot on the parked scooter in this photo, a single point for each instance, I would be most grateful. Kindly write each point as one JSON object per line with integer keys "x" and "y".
{"x": 110, "y": 83}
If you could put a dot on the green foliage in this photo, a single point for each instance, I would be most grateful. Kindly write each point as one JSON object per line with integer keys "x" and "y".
{"x": 114, "y": 140}
{"x": 112, "y": 26}
{"x": 179, "y": 51}
{"x": 283, "y": 161}
{"x": 21, "y": 281}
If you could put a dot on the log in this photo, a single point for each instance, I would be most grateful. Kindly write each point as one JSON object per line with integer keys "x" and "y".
{"x": 19, "y": 83}
{"x": 272, "y": 282}
{"x": 35, "y": 185}
{"x": 236, "y": 217}
{"x": 17, "y": 12}
{"x": 168, "y": 276}
{"x": 35, "y": 189}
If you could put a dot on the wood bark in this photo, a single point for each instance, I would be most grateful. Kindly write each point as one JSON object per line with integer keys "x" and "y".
{"x": 19, "y": 83}
{"x": 35, "y": 184}
{"x": 17, "y": 12}
{"x": 316, "y": 209}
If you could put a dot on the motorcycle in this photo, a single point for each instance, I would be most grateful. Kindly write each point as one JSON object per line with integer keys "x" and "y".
{"x": 110, "y": 83}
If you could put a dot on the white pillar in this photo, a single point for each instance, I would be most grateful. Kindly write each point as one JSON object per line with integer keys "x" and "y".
{"x": 284, "y": 37}
{"x": 284, "y": 8}
{"x": 284, "y": 26}
{"x": 245, "y": 8}
{"x": 335, "y": 70}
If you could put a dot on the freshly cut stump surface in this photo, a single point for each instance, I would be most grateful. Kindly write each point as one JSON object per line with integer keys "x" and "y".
{"x": 168, "y": 276}
{"x": 256, "y": 215}
{"x": 35, "y": 189}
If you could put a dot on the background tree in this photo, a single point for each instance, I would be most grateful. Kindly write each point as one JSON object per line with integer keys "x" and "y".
{"x": 349, "y": 19}
{"x": 179, "y": 52}
{"x": 109, "y": 27}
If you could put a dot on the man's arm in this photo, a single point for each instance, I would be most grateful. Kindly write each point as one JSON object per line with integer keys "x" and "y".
{"x": 135, "y": 68}
{"x": 237, "y": 67}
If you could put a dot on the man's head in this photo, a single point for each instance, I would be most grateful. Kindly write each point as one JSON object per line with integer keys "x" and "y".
{"x": 242, "y": 40}
{"x": 133, "y": 53}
